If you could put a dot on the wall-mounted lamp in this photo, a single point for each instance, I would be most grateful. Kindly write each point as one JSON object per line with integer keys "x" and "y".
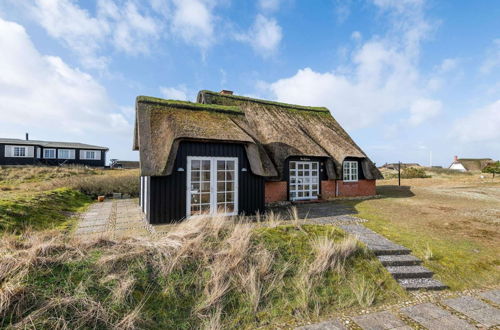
{"x": 244, "y": 169}
{"x": 180, "y": 169}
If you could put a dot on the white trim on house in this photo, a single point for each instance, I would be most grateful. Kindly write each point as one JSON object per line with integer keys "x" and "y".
{"x": 350, "y": 171}
{"x": 215, "y": 182}
{"x": 17, "y": 151}
{"x": 66, "y": 153}
{"x": 51, "y": 151}
{"x": 38, "y": 152}
{"x": 90, "y": 154}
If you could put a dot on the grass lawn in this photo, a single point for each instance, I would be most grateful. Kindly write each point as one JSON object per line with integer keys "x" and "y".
{"x": 451, "y": 223}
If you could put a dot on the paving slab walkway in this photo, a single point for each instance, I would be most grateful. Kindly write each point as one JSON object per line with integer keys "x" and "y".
{"x": 463, "y": 312}
{"x": 114, "y": 218}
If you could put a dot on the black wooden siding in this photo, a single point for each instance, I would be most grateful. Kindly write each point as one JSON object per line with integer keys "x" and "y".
{"x": 167, "y": 194}
{"x": 53, "y": 161}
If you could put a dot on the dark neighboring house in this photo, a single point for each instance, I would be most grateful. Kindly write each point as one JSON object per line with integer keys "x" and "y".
{"x": 33, "y": 152}
{"x": 230, "y": 154}
{"x": 470, "y": 164}
{"x": 124, "y": 164}
{"x": 395, "y": 166}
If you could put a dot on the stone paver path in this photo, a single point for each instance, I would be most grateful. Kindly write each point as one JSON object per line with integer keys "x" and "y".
{"x": 476, "y": 310}
{"x": 432, "y": 316}
{"x": 493, "y": 295}
{"x": 328, "y": 325}
{"x": 115, "y": 218}
{"x": 95, "y": 220}
{"x": 380, "y": 321}
{"x": 468, "y": 313}
{"x": 405, "y": 268}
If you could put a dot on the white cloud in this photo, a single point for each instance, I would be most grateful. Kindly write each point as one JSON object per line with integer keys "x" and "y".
{"x": 269, "y": 5}
{"x": 179, "y": 93}
{"x": 382, "y": 76}
{"x": 40, "y": 92}
{"x": 356, "y": 36}
{"x": 492, "y": 60}
{"x": 264, "y": 36}
{"x": 342, "y": 10}
{"x": 130, "y": 30}
{"x": 194, "y": 22}
{"x": 424, "y": 109}
{"x": 481, "y": 125}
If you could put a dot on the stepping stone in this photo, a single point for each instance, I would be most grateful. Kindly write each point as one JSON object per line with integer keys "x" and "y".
{"x": 493, "y": 295}
{"x": 434, "y": 317}
{"x": 399, "y": 272}
{"x": 376, "y": 243}
{"x": 380, "y": 321}
{"x": 476, "y": 310}
{"x": 327, "y": 325}
{"x": 399, "y": 260}
{"x": 421, "y": 283}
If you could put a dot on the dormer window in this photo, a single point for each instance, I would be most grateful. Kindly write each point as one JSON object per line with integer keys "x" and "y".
{"x": 350, "y": 171}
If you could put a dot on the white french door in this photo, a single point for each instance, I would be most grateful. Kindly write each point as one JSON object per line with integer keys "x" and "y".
{"x": 212, "y": 186}
{"x": 304, "y": 180}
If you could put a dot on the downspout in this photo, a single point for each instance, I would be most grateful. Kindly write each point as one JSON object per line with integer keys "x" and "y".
{"x": 336, "y": 188}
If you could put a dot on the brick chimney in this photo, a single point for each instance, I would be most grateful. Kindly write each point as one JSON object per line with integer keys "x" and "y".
{"x": 455, "y": 159}
{"x": 226, "y": 92}
{"x": 27, "y": 136}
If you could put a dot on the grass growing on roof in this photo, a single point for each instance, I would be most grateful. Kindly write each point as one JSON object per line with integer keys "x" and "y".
{"x": 224, "y": 99}
{"x": 189, "y": 105}
{"x": 204, "y": 273}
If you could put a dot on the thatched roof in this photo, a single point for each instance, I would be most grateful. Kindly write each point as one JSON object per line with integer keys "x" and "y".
{"x": 270, "y": 131}
{"x": 474, "y": 164}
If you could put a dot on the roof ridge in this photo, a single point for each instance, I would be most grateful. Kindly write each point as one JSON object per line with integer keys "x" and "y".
{"x": 189, "y": 105}
{"x": 275, "y": 103}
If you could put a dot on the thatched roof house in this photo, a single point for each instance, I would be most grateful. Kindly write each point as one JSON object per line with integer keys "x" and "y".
{"x": 295, "y": 152}
{"x": 470, "y": 164}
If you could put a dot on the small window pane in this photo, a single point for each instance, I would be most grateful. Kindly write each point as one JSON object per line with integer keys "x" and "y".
{"x": 205, "y": 176}
{"x": 220, "y": 176}
{"x": 229, "y": 197}
{"x": 230, "y": 165}
{"x": 205, "y": 198}
{"x": 221, "y": 197}
{"x": 229, "y": 176}
{"x": 229, "y": 186}
{"x": 205, "y": 165}
{"x": 195, "y": 176}
{"x": 229, "y": 208}
{"x": 205, "y": 187}
{"x": 195, "y": 165}
{"x": 195, "y": 187}
{"x": 220, "y": 186}
{"x": 221, "y": 165}
{"x": 205, "y": 208}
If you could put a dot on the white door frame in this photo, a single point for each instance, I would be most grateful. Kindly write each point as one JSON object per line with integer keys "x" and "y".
{"x": 213, "y": 184}
{"x": 310, "y": 178}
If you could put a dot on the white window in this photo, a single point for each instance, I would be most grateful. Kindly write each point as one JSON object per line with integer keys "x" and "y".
{"x": 212, "y": 186}
{"x": 90, "y": 154}
{"x": 66, "y": 154}
{"x": 20, "y": 152}
{"x": 49, "y": 153}
{"x": 350, "y": 171}
{"x": 304, "y": 180}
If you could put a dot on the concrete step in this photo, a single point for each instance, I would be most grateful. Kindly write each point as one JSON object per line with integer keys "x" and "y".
{"x": 389, "y": 250}
{"x": 399, "y": 260}
{"x": 421, "y": 283}
{"x": 399, "y": 272}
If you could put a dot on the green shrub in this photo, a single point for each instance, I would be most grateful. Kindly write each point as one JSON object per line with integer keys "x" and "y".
{"x": 103, "y": 185}
{"x": 413, "y": 173}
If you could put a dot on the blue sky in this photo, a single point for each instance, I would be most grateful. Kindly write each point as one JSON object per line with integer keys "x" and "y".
{"x": 404, "y": 77}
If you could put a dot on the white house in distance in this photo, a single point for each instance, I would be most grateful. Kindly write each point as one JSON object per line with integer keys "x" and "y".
{"x": 469, "y": 164}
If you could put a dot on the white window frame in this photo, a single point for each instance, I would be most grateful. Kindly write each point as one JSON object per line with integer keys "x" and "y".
{"x": 19, "y": 148}
{"x": 213, "y": 185}
{"x": 350, "y": 168}
{"x": 309, "y": 180}
{"x": 65, "y": 150}
{"x": 49, "y": 149}
{"x": 87, "y": 152}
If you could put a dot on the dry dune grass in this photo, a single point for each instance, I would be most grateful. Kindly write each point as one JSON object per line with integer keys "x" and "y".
{"x": 206, "y": 272}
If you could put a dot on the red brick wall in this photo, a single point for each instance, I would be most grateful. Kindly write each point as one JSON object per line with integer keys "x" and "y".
{"x": 359, "y": 188}
{"x": 275, "y": 191}
{"x": 327, "y": 189}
